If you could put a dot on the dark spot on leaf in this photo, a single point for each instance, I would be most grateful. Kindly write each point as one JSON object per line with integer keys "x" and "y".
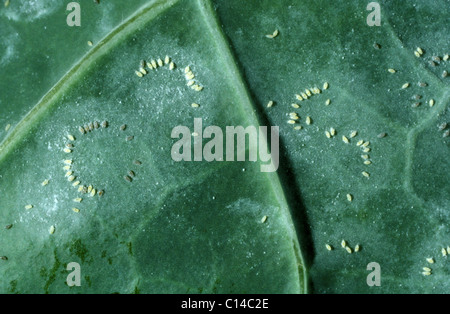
{"x": 52, "y": 273}
{"x": 13, "y": 286}
{"x": 43, "y": 272}
{"x": 88, "y": 280}
{"x": 79, "y": 249}
{"x": 130, "y": 248}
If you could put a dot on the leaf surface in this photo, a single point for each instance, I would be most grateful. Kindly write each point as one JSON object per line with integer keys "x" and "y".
{"x": 196, "y": 227}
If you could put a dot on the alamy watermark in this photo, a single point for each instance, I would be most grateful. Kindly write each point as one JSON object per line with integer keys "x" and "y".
{"x": 257, "y": 144}
{"x": 74, "y": 17}
{"x": 74, "y": 277}
{"x": 374, "y": 278}
{"x": 374, "y": 18}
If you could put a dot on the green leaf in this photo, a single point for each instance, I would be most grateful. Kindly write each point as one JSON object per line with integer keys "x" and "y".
{"x": 399, "y": 216}
{"x": 196, "y": 227}
{"x": 163, "y": 232}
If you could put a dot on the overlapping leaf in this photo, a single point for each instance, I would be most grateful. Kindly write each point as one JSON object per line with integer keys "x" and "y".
{"x": 196, "y": 227}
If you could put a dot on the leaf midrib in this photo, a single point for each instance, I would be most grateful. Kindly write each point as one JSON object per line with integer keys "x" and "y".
{"x": 251, "y": 109}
